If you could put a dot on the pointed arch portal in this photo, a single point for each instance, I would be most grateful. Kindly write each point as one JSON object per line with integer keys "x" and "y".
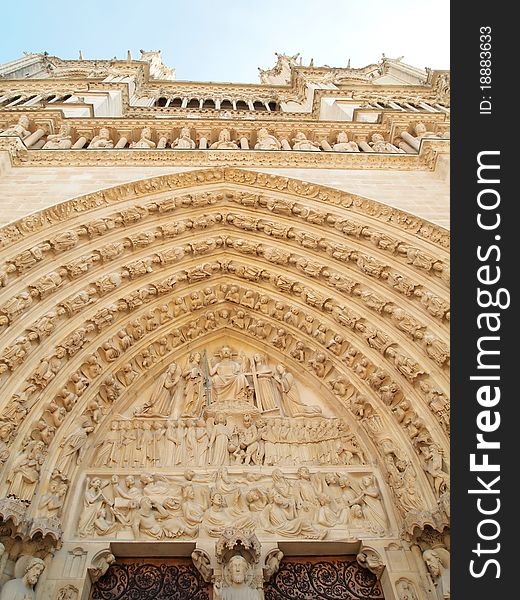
{"x": 223, "y": 347}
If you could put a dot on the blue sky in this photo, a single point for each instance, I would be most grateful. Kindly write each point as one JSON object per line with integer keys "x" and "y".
{"x": 226, "y": 40}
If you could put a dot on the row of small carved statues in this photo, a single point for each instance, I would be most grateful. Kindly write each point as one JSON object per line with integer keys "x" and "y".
{"x": 197, "y": 442}
{"x": 264, "y": 140}
{"x": 305, "y": 505}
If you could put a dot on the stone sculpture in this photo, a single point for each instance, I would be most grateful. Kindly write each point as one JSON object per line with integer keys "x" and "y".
{"x": 101, "y": 141}
{"x": 59, "y": 141}
{"x": 21, "y": 588}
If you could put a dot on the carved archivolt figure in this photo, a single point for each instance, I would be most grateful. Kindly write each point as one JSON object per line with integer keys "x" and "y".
{"x": 184, "y": 141}
{"x": 343, "y": 145}
{"x": 145, "y": 140}
{"x": 74, "y": 446}
{"x": 26, "y": 471}
{"x": 59, "y": 141}
{"x": 266, "y": 141}
{"x": 102, "y": 140}
{"x": 224, "y": 142}
{"x": 21, "y": 588}
{"x": 300, "y": 142}
{"x": 21, "y": 129}
{"x": 291, "y": 404}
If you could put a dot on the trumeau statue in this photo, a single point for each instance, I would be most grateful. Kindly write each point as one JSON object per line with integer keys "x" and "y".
{"x": 237, "y": 582}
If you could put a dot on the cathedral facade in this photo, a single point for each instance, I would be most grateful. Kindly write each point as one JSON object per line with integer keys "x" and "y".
{"x": 224, "y": 320}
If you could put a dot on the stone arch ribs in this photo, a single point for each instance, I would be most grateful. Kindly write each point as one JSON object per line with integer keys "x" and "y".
{"x": 75, "y": 274}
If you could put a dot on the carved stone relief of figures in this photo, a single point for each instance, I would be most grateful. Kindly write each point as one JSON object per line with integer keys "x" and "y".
{"x": 307, "y": 505}
{"x": 226, "y": 438}
{"x": 69, "y": 592}
{"x": 406, "y": 590}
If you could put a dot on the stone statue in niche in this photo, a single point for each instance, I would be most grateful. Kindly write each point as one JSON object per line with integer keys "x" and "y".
{"x": 379, "y": 144}
{"x": 184, "y": 141}
{"x": 145, "y": 140}
{"x": 228, "y": 381}
{"x": 266, "y": 141}
{"x": 224, "y": 141}
{"x": 101, "y": 140}
{"x": 238, "y": 575}
{"x": 300, "y": 142}
{"x": 164, "y": 394}
{"x": 59, "y": 141}
{"x": 27, "y": 572}
{"x": 21, "y": 129}
{"x": 343, "y": 145}
{"x": 438, "y": 564}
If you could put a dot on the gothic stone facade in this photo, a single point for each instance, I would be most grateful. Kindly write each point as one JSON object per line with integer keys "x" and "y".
{"x": 224, "y": 318}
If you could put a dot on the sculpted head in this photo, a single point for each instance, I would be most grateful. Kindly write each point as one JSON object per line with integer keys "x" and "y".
{"x": 33, "y": 570}
{"x": 225, "y": 352}
{"x": 24, "y": 121}
{"x": 238, "y": 568}
{"x": 433, "y": 562}
{"x": 185, "y": 132}
{"x": 224, "y": 136}
{"x": 104, "y": 133}
{"x": 342, "y": 137}
{"x": 304, "y": 473}
{"x": 420, "y": 128}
